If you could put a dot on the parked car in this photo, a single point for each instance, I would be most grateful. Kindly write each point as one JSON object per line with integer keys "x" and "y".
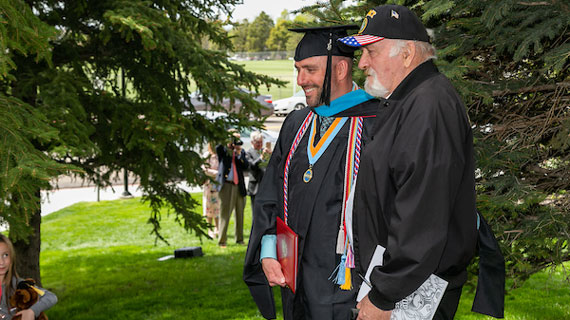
{"x": 265, "y": 101}
{"x": 282, "y": 107}
{"x": 245, "y": 133}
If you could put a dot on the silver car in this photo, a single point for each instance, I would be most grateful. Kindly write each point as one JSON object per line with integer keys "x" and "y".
{"x": 265, "y": 100}
{"x": 298, "y": 101}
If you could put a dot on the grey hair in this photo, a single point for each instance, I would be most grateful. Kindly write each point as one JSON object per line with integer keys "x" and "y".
{"x": 256, "y": 136}
{"x": 426, "y": 49}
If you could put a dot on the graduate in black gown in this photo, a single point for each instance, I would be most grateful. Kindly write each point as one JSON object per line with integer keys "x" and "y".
{"x": 316, "y": 184}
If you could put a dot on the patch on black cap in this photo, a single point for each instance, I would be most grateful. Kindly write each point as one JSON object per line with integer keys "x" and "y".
{"x": 390, "y": 22}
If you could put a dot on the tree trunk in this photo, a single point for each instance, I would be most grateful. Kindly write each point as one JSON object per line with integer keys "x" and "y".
{"x": 28, "y": 254}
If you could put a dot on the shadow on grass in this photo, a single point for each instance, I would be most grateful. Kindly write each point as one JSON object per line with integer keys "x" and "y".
{"x": 129, "y": 282}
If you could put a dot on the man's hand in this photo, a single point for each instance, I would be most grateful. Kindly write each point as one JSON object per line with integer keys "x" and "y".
{"x": 27, "y": 314}
{"x": 273, "y": 272}
{"x": 267, "y": 149}
{"x": 368, "y": 311}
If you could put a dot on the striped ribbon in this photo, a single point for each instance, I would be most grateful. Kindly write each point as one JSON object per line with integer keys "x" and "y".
{"x": 298, "y": 138}
{"x": 351, "y": 171}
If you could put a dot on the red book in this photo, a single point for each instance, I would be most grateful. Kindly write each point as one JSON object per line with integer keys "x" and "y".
{"x": 287, "y": 246}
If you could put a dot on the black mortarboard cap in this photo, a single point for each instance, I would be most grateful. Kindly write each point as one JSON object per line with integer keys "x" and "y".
{"x": 322, "y": 41}
{"x": 316, "y": 40}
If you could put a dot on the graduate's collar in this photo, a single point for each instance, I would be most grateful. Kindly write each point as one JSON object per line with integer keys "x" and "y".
{"x": 343, "y": 103}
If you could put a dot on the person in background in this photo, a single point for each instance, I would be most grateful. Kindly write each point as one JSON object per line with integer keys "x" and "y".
{"x": 231, "y": 186}
{"x": 415, "y": 195}
{"x": 258, "y": 157}
{"x": 210, "y": 197}
{"x": 9, "y": 280}
{"x": 316, "y": 148}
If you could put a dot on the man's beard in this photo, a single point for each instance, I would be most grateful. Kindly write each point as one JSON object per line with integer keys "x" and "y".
{"x": 374, "y": 88}
{"x": 316, "y": 100}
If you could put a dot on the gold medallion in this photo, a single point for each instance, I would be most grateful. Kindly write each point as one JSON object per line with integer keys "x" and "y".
{"x": 308, "y": 175}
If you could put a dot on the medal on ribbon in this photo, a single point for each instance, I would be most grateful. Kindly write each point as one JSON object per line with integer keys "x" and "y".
{"x": 308, "y": 174}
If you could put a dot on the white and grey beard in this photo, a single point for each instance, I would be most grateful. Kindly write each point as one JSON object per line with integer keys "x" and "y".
{"x": 374, "y": 88}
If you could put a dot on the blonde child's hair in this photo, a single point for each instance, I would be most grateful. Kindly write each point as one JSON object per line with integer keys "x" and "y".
{"x": 7, "y": 281}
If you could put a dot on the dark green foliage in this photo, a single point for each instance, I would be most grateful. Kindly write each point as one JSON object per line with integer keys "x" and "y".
{"x": 23, "y": 168}
{"x": 103, "y": 85}
{"x": 512, "y": 58}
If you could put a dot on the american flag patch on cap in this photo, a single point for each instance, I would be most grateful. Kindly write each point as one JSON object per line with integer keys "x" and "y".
{"x": 360, "y": 40}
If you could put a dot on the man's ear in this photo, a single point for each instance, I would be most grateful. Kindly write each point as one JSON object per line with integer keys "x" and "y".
{"x": 342, "y": 70}
{"x": 409, "y": 53}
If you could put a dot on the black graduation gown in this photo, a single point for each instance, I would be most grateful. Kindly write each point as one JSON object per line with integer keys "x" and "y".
{"x": 415, "y": 193}
{"x": 314, "y": 214}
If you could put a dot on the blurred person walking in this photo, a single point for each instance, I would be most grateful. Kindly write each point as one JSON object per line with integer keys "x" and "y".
{"x": 210, "y": 198}
{"x": 257, "y": 157}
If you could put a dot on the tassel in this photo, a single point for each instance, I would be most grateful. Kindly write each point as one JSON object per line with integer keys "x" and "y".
{"x": 350, "y": 258}
{"x": 340, "y": 241}
{"x": 339, "y": 272}
{"x": 347, "y": 280}
{"x": 326, "y": 94}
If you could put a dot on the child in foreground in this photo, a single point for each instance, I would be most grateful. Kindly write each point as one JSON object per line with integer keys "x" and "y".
{"x": 9, "y": 281}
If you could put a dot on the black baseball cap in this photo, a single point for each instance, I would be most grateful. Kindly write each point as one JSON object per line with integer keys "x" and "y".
{"x": 323, "y": 41}
{"x": 388, "y": 22}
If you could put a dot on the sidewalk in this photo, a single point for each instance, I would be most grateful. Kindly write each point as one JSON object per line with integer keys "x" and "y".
{"x": 58, "y": 199}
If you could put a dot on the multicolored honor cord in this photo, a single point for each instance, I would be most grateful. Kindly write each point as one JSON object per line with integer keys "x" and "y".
{"x": 342, "y": 271}
{"x": 298, "y": 138}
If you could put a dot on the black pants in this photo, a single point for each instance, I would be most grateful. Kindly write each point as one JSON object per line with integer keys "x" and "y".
{"x": 296, "y": 307}
{"x": 448, "y": 305}
{"x": 252, "y": 198}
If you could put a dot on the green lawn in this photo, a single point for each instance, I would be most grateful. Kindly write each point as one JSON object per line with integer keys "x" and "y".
{"x": 101, "y": 261}
{"x": 280, "y": 69}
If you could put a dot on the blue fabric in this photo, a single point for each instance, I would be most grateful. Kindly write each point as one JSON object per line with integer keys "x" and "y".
{"x": 231, "y": 175}
{"x": 268, "y": 247}
{"x": 344, "y": 102}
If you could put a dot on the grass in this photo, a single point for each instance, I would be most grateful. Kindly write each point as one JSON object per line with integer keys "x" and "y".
{"x": 280, "y": 69}
{"x": 101, "y": 261}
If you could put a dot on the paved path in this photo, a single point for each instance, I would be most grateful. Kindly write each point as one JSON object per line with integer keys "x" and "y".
{"x": 72, "y": 191}
{"x": 274, "y": 123}
{"x": 63, "y": 197}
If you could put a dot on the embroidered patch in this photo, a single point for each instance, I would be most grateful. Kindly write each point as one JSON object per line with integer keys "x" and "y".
{"x": 363, "y": 26}
{"x": 395, "y": 14}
